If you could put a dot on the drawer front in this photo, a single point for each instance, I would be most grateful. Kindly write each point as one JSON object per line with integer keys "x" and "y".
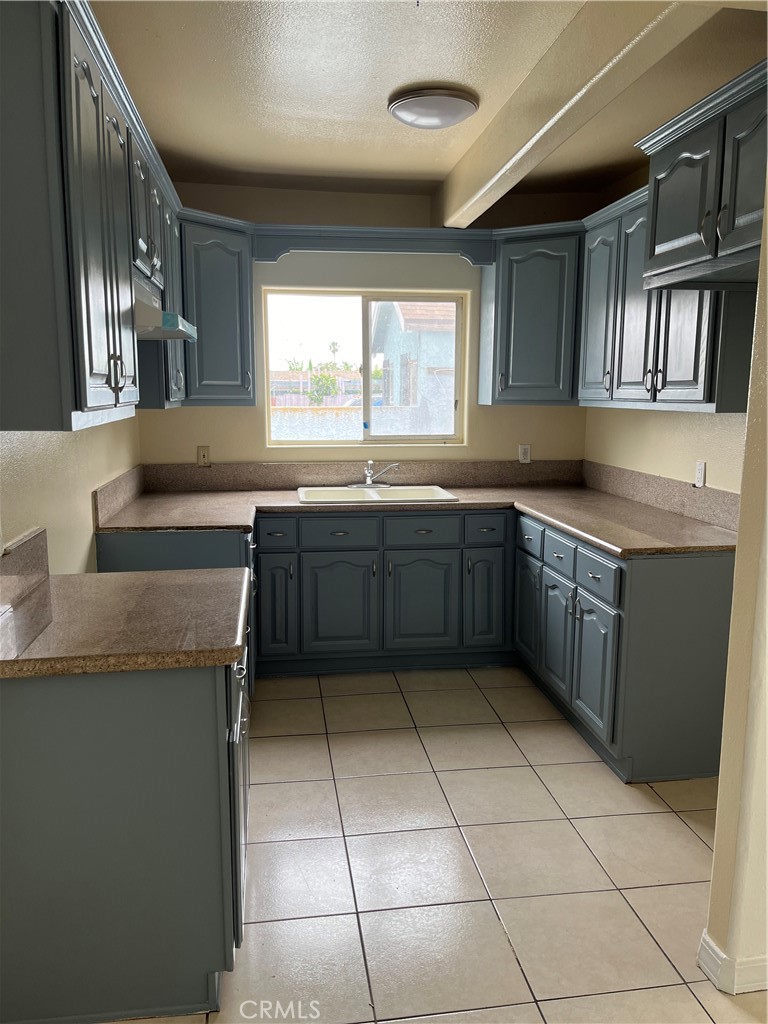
{"x": 560, "y": 553}
{"x": 530, "y": 536}
{"x": 598, "y": 575}
{"x": 422, "y": 531}
{"x": 485, "y": 529}
{"x": 339, "y": 533}
{"x": 276, "y": 533}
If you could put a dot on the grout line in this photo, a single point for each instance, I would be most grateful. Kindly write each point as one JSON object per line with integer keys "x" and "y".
{"x": 447, "y": 1013}
{"x": 688, "y": 986}
{"x": 615, "y": 992}
{"x": 394, "y": 728}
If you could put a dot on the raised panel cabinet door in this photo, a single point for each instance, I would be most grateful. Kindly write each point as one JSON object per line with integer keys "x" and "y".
{"x": 156, "y": 232}
{"x": 536, "y": 320}
{"x": 340, "y": 601}
{"x": 422, "y": 596}
{"x": 140, "y": 225}
{"x": 636, "y": 316}
{"x": 594, "y": 664}
{"x": 557, "y": 628}
{"x": 484, "y": 604}
{"x": 89, "y": 240}
{"x": 174, "y": 349}
{"x": 527, "y": 611}
{"x": 740, "y": 220}
{"x": 125, "y": 353}
{"x": 278, "y": 604}
{"x": 218, "y": 292}
{"x": 686, "y": 327}
{"x": 684, "y": 199}
{"x": 597, "y": 312}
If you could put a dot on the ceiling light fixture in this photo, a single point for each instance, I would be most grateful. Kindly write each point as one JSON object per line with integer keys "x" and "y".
{"x": 432, "y": 108}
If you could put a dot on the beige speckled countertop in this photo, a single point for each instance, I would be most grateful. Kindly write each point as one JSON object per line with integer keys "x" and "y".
{"x": 617, "y": 525}
{"x": 125, "y": 621}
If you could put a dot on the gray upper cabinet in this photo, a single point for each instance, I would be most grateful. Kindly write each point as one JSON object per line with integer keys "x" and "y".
{"x": 422, "y": 600}
{"x": 634, "y": 351}
{"x": 218, "y": 299}
{"x": 685, "y": 346}
{"x": 140, "y": 226}
{"x": 740, "y": 219}
{"x": 597, "y": 316}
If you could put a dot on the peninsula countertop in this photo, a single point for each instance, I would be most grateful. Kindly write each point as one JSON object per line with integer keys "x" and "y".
{"x": 127, "y": 621}
{"x": 619, "y": 526}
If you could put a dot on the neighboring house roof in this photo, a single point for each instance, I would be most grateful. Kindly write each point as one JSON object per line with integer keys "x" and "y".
{"x": 426, "y": 316}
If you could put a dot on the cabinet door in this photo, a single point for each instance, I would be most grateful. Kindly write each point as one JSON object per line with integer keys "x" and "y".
{"x": 740, "y": 220}
{"x": 636, "y": 316}
{"x": 557, "y": 627}
{"x": 278, "y": 604}
{"x": 174, "y": 349}
{"x": 87, "y": 221}
{"x": 484, "y": 610}
{"x": 594, "y": 668}
{"x": 120, "y": 283}
{"x": 340, "y": 602}
{"x": 527, "y": 607}
{"x": 597, "y": 314}
{"x": 156, "y": 232}
{"x": 683, "y": 199}
{"x": 685, "y": 346}
{"x": 422, "y": 599}
{"x": 140, "y": 227}
{"x": 218, "y": 295}
{"x": 536, "y": 320}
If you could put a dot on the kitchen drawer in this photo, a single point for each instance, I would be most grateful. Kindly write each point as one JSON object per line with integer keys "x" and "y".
{"x": 601, "y": 577}
{"x": 530, "y": 536}
{"x": 560, "y": 553}
{"x": 422, "y": 531}
{"x": 485, "y": 529}
{"x": 347, "y": 532}
{"x": 276, "y": 533}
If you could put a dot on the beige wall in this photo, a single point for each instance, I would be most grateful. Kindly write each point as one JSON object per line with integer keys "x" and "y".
{"x": 668, "y": 443}
{"x": 46, "y": 480}
{"x": 490, "y": 433}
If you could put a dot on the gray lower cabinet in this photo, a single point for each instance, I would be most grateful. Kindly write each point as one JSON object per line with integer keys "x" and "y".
{"x": 527, "y": 607}
{"x": 594, "y": 663}
{"x": 340, "y": 601}
{"x": 278, "y": 603}
{"x": 557, "y": 629}
{"x": 423, "y": 591}
{"x": 485, "y": 603}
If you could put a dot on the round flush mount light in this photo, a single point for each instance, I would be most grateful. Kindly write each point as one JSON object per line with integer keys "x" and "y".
{"x": 432, "y": 108}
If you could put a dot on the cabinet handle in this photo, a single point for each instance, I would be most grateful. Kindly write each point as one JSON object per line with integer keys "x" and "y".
{"x": 594, "y": 576}
{"x": 248, "y": 380}
{"x": 422, "y": 531}
{"x": 577, "y": 609}
{"x": 112, "y": 121}
{"x": 123, "y": 376}
{"x": 139, "y": 170}
{"x": 659, "y": 380}
{"x": 607, "y": 381}
{"x": 152, "y": 252}
{"x": 719, "y": 219}
{"x": 373, "y": 568}
{"x": 537, "y": 582}
{"x": 527, "y": 536}
{"x": 179, "y": 380}
{"x": 339, "y": 533}
{"x": 85, "y": 72}
{"x": 701, "y": 228}
{"x": 155, "y": 196}
{"x": 389, "y": 568}
{"x": 556, "y": 554}
{"x": 569, "y": 604}
{"x": 242, "y": 668}
{"x": 469, "y": 566}
{"x": 648, "y": 380}
{"x": 487, "y": 529}
{"x": 290, "y": 570}
{"x": 501, "y": 382}
{"x": 252, "y": 547}
{"x": 276, "y": 533}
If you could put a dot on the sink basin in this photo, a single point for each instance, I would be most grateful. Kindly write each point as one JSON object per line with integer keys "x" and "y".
{"x": 371, "y": 495}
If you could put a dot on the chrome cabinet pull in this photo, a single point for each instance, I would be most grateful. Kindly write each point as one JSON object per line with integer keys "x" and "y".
{"x": 527, "y": 536}
{"x": 248, "y": 380}
{"x": 179, "y": 380}
{"x": 373, "y": 568}
{"x": 155, "y": 196}
{"x": 423, "y": 531}
{"x": 242, "y": 668}
{"x": 648, "y": 380}
{"x": 719, "y": 219}
{"x": 593, "y": 576}
{"x": 139, "y": 169}
{"x": 577, "y": 608}
{"x": 290, "y": 570}
{"x": 85, "y": 72}
{"x": 276, "y": 533}
{"x": 659, "y": 380}
{"x": 339, "y": 533}
{"x": 389, "y": 568}
{"x": 112, "y": 121}
{"x": 487, "y": 529}
{"x": 501, "y": 381}
{"x": 123, "y": 376}
{"x": 701, "y": 228}
{"x": 607, "y": 381}
{"x": 556, "y": 554}
{"x": 469, "y": 566}
{"x": 569, "y": 604}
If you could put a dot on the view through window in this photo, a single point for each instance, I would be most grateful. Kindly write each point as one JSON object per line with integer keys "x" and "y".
{"x": 362, "y": 367}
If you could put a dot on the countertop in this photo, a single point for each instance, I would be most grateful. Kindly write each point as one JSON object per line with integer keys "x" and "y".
{"x": 125, "y": 621}
{"x": 616, "y": 525}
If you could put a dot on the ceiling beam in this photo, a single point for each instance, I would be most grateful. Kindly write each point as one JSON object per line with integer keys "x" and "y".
{"x": 603, "y": 50}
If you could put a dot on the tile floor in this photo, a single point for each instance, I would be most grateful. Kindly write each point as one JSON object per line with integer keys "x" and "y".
{"x": 441, "y": 846}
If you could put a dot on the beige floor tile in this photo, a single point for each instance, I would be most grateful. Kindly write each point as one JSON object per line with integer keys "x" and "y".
{"x": 299, "y": 961}
{"x": 366, "y": 711}
{"x": 643, "y": 1006}
{"x": 450, "y": 707}
{"x": 702, "y": 823}
{"x": 648, "y": 849}
{"x": 286, "y": 717}
{"x": 297, "y": 879}
{"x": 409, "y": 869}
{"x": 747, "y": 1008}
{"x": 289, "y": 759}
{"x": 387, "y": 752}
{"x": 586, "y": 790}
{"x": 344, "y": 683}
{"x": 484, "y": 795}
{"x": 675, "y": 915}
{"x": 534, "y": 858}
{"x": 583, "y": 944}
{"x": 522, "y": 1013}
{"x": 521, "y": 704}
{"x": 689, "y": 794}
{"x": 286, "y": 687}
{"x": 500, "y": 675}
{"x": 431, "y": 960}
{"x": 435, "y": 679}
{"x": 551, "y": 742}
{"x": 470, "y": 746}
{"x": 293, "y": 810}
{"x": 391, "y": 803}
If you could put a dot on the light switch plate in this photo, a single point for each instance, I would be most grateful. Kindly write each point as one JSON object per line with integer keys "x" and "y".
{"x": 701, "y": 474}
{"x": 524, "y": 453}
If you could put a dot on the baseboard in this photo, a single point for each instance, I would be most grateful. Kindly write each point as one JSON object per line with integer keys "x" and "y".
{"x": 749, "y": 974}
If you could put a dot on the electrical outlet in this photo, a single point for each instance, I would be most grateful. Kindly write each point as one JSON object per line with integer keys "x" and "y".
{"x": 524, "y": 453}
{"x": 701, "y": 474}
{"x": 203, "y": 455}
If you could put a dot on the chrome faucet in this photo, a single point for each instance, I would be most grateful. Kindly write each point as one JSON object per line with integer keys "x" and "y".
{"x": 370, "y": 476}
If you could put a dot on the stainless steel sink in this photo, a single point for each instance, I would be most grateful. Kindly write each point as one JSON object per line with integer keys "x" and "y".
{"x": 372, "y": 495}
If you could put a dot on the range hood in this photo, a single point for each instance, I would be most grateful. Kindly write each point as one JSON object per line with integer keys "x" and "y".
{"x": 152, "y": 323}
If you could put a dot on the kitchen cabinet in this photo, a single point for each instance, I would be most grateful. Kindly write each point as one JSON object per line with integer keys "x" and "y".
{"x": 527, "y": 607}
{"x": 423, "y": 591}
{"x": 278, "y": 604}
{"x": 636, "y": 316}
{"x": 485, "y": 603}
{"x": 143, "y": 249}
{"x": 594, "y": 663}
{"x": 218, "y": 299}
{"x": 557, "y": 631}
{"x": 743, "y": 191}
{"x": 684, "y": 360}
{"x": 598, "y": 310}
{"x": 340, "y": 601}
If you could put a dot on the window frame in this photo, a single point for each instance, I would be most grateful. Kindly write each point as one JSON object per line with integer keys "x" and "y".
{"x": 367, "y": 296}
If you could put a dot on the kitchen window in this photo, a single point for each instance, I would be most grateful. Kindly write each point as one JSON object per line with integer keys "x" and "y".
{"x": 345, "y": 368}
